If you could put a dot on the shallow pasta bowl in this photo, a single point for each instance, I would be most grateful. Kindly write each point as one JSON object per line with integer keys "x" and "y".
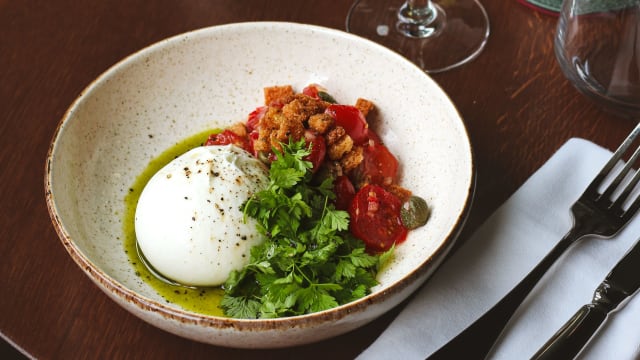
{"x": 211, "y": 78}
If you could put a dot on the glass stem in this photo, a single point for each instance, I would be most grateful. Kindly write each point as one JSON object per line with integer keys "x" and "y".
{"x": 419, "y": 19}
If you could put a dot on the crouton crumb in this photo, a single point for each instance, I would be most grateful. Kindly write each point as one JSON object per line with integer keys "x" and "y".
{"x": 365, "y": 106}
{"x": 278, "y": 95}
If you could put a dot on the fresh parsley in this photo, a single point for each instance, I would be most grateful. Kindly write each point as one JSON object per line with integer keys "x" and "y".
{"x": 309, "y": 261}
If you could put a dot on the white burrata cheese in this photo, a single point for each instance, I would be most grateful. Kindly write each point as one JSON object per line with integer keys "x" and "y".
{"x": 189, "y": 222}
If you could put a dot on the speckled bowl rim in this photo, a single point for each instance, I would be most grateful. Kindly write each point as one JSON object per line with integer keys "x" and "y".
{"x": 119, "y": 290}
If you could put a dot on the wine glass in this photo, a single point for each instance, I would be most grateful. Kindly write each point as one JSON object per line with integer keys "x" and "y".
{"x": 437, "y": 35}
{"x": 597, "y": 45}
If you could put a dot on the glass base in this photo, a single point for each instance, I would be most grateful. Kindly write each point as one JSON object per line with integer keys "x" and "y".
{"x": 454, "y": 36}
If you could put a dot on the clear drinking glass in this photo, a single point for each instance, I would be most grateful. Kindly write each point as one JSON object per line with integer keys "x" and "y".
{"x": 597, "y": 45}
{"x": 436, "y": 35}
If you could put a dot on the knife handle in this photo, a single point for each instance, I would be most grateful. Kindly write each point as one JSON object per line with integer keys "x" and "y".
{"x": 574, "y": 334}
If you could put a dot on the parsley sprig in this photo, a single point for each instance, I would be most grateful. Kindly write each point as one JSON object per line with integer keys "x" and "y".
{"x": 309, "y": 261}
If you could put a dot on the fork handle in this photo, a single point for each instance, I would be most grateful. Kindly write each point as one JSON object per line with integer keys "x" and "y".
{"x": 476, "y": 341}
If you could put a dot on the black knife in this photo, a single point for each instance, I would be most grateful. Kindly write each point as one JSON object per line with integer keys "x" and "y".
{"x": 622, "y": 282}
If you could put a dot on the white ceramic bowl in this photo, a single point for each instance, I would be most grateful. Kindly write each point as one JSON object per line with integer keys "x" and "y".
{"x": 214, "y": 77}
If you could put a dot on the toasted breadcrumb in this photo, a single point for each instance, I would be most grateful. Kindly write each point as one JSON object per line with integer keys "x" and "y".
{"x": 338, "y": 149}
{"x": 335, "y": 134}
{"x": 288, "y": 129}
{"x": 302, "y": 107}
{"x": 352, "y": 159}
{"x": 321, "y": 122}
{"x": 239, "y": 129}
{"x": 269, "y": 123}
{"x": 275, "y": 128}
{"x": 364, "y": 105}
{"x": 278, "y": 95}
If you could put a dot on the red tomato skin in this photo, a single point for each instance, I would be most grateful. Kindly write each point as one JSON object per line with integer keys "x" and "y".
{"x": 311, "y": 90}
{"x": 373, "y": 137}
{"x": 227, "y": 137}
{"x": 253, "y": 120}
{"x": 345, "y": 191}
{"x": 253, "y": 137}
{"x": 375, "y": 218}
{"x": 351, "y": 119}
{"x": 318, "y": 149}
{"x": 378, "y": 166}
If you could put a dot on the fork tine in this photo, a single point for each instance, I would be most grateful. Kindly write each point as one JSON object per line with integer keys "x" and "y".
{"x": 593, "y": 187}
{"x": 633, "y": 208}
{"x": 623, "y": 173}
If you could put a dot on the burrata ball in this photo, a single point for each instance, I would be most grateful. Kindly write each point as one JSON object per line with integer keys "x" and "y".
{"x": 189, "y": 222}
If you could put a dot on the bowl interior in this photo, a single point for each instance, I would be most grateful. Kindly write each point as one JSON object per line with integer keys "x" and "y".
{"x": 214, "y": 77}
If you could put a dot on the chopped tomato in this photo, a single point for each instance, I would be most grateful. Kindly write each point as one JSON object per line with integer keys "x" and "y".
{"x": 344, "y": 191}
{"x": 253, "y": 136}
{"x": 352, "y": 120}
{"x": 255, "y": 116}
{"x": 378, "y": 166}
{"x": 311, "y": 90}
{"x": 318, "y": 92}
{"x": 318, "y": 149}
{"x": 373, "y": 137}
{"x": 375, "y": 218}
{"x": 227, "y": 137}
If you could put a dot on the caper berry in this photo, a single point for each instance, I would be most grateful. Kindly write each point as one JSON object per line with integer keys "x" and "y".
{"x": 415, "y": 212}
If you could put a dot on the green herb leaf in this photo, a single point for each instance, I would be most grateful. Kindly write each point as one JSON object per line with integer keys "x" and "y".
{"x": 240, "y": 307}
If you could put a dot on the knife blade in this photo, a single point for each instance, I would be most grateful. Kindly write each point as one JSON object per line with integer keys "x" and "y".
{"x": 617, "y": 288}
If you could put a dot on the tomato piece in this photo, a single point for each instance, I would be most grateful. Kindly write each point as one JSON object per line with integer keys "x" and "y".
{"x": 227, "y": 137}
{"x": 311, "y": 90}
{"x": 378, "y": 166}
{"x": 255, "y": 116}
{"x": 375, "y": 218}
{"x": 351, "y": 119}
{"x": 253, "y": 137}
{"x": 318, "y": 149}
{"x": 372, "y": 136}
{"x": 344, "y": 191}
{"x": 318, "y": 92}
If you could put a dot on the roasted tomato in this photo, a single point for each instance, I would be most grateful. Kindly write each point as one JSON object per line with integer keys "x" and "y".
{"x": 375, "y": 218}
{"x": 318, "y": 92}
{"x": 255, "y": 116}
{"x": 344, "y": 191}
{"x": 352, "y": 120}
{"x": 228, "y": 137}
{"x": 378, "y": 166}
{"x": 318, "y": 149}
{"x": 311, "y": 90}
{"x": 373, "y": 137}
{"x": 253, "y": 136}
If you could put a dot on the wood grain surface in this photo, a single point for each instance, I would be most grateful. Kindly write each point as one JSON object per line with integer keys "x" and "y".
{"x": 516, "y": 103}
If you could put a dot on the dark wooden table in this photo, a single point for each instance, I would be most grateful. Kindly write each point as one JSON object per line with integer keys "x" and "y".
{"x": 515, "y": 102}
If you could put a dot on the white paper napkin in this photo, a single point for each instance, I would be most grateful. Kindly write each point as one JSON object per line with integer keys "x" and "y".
{"x": 502, "y": 251}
